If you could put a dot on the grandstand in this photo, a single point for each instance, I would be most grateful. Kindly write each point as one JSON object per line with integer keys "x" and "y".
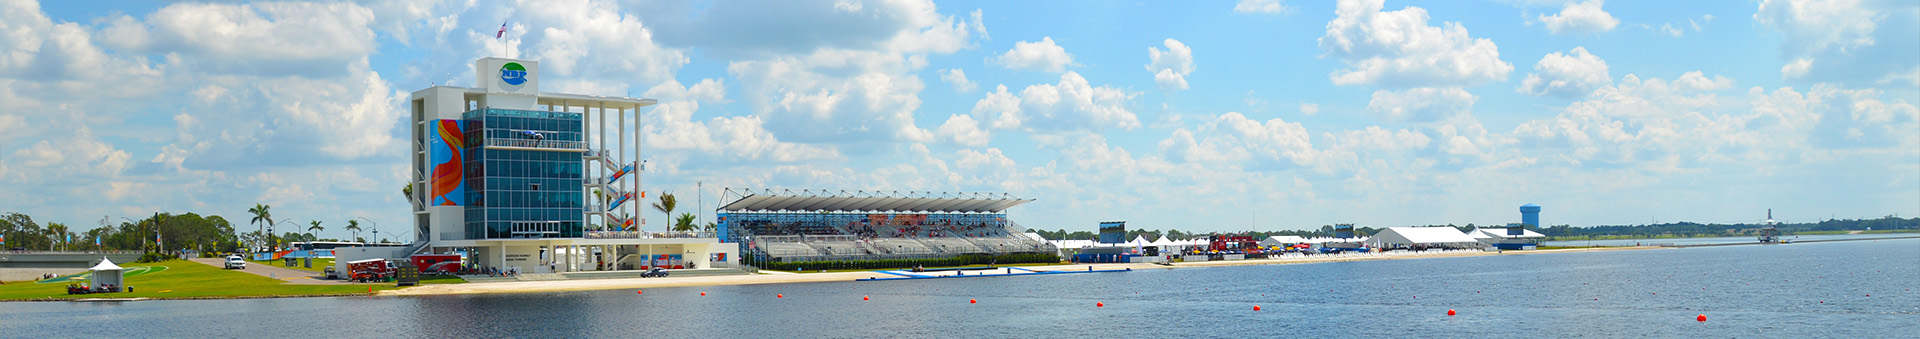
{"x": 821, "y": 225}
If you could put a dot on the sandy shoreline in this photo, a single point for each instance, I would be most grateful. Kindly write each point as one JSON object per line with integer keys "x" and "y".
{"x": 771, "y": 277}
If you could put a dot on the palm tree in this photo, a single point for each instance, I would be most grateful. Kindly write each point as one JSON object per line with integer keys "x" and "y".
{"x": 354, "y": 226}
{"x": 684, "y": 223}
{"x": 316, "y": 228}
{"x": 666, "y": 204}
{"x": 263, "y": 215}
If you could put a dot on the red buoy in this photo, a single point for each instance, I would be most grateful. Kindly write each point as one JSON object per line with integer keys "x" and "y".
{"x": 639, "y": 292}
{"x": 1256, "y": 307}
{"x": 703, "y": 294}
{"x": 864, "y": 298}
{"x": 779, "y": 296}
{"x": 1099, "y": 304}
{"x": 971, "y": 301}
{"x": 1450, "y": 312}
{"x": 1702, "y": 317}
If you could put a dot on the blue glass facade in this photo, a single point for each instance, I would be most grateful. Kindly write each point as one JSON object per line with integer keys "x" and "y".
{"x": 531, "y": 188}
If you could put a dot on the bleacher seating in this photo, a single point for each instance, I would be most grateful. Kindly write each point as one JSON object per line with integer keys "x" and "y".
{"x": 849, "y": 236}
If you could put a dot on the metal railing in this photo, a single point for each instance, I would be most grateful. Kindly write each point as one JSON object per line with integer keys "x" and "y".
{"x": 544, "y": 144}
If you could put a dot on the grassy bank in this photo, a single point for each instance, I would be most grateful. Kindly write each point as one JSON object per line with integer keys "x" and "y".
{"x": 188, "y": 280}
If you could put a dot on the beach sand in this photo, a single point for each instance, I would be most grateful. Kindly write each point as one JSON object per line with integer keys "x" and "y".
{"x": 774, "y": 277}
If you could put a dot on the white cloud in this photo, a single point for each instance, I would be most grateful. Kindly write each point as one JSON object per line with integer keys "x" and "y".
{"x": 961, "y": 129}
{"x": 1397, "y": 49}
{"x": 1234, "y": 139}
{"x": 1071, "y": 104}
{"x": 623, "y": 50}
{"x": 836, "y": 95}
{"x": 316, "y": 39}
{"x": 753, "y": 30}
{"x": 1580, "y": 18}
{"x": 1569, "y": 75}
{"x": 958, "y": 78}
{"x": 1170, "y": 67}
{"x": 1425, "y": 104}
{"x": 1851, "y": 41}
{"x": 1260, "y": 6}
{"x": 1309, "y": 108}
{"x": 1036, "y": 56}
{"x": 677, "y": 137}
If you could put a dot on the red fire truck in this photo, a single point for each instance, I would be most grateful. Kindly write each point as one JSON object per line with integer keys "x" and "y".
{"x": 369, "y": 270}
{"x": 436, "y": 263}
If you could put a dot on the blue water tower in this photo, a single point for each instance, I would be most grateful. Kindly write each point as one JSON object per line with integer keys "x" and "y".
{"x": 1530, "y": 215}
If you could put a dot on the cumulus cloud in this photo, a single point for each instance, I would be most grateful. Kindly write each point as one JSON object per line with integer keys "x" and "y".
{"x": 1580, "y": 18}
{"x": 1233, "y": 138}
{"x": 836, "y": 95}
{"x": 1309, "y": 108}
{"x": 962, "y": 129}
{"x": 958, "y": 78}
{"x": 1036, "y": 56}
{"x": 1855, "y": 42}
{"x": 1426, "y": 104}
{"x": 1170, "y": 67}
{"x": 1071, "y": 104}
{"x": 1568, "y": 75}
{"x": 1397, "y": 49}
{"x": 750, "y": 30}
{"x": 672, "y": 129}
{"x": 315, "y": 39}
{"x": 1260, "y": 6}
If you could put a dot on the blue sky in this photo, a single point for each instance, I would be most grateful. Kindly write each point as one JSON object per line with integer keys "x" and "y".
{"x": 1201, "y": 116}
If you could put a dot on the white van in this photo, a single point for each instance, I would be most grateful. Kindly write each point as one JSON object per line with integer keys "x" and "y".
{"x": 235, "y": 262}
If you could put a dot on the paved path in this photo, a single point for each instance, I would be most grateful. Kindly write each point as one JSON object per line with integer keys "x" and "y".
{"x": 291, "y": 276}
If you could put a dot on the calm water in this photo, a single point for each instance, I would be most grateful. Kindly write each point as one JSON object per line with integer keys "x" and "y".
{"x": 1746, "y": 291}
{"x": 1721, "y": 240}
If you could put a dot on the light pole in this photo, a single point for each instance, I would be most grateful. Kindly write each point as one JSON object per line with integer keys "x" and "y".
{"x": 376, "y": 227}
{"x": 276, "y": 243}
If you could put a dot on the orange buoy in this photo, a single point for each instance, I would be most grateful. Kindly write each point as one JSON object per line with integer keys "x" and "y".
{"x": 779, "y": 295}
{"x": 864, "y": 298}
{"x": 1099, "y": 304}
{"x": 1450, "y": 312}
{"x": 703, "y": 294}
{"x": 1702, "y": 317}
{"x": 1256, "y": 307}
{"x": 972, "y": 301}
{"x": 639, "y": 292}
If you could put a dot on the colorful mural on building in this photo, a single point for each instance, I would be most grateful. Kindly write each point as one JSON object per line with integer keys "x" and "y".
{"x": 448, "y": 177}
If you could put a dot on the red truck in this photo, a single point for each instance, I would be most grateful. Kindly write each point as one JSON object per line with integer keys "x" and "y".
{"x": 369, "y": 270}
{"x": 436, "y": 263}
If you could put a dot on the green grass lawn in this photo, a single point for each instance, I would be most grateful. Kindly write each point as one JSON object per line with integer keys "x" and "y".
{"x": 319, "y": 264}
{"x": 185, "y": 279}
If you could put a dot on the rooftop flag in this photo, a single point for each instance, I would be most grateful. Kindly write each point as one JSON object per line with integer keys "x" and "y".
{"x": 502, "y": 32}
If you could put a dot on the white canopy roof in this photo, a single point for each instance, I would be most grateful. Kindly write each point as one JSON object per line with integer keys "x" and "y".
{"x": 1282, "y": 240}
{"x": 1164, "y": 241}
{"x": 1140, "y": 240}
{"x": 1421, "y": 236}
{"x": 106, "y": 265}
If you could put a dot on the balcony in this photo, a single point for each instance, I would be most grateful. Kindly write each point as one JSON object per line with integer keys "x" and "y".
{"x": 540, "y": 145}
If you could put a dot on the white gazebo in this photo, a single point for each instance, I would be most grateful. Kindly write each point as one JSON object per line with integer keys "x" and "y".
{"x": 106, "y": 273}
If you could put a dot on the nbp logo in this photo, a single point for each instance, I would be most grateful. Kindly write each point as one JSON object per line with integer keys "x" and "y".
{"x": 513, "y": 74}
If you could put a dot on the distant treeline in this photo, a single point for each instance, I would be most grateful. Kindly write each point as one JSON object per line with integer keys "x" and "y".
{"x": 1692, "y": 229}
{"x": 1680, "y": 229}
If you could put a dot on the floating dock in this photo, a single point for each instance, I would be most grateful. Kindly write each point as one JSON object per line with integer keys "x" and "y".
{"x": 977, "y": 273}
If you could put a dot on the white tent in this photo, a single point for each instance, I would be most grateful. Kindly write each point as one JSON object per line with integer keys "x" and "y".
{"x": 1422, "y": 236}
{"x": 1282, "y": 240}
{"x": 107, "y": 273}
{"x": 1139, "y": 241}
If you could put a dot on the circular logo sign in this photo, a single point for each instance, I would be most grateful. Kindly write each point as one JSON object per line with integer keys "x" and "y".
{"x": 513, "y": 74}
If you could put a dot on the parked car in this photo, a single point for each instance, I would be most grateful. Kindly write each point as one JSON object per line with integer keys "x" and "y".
{"x": 656, "y": 272}
{"x": 235, "y": 262}
{"x": 331, "y": 273}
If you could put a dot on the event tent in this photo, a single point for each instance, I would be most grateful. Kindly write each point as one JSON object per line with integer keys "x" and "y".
{"x": 107, "y": 273}
{"x": 1422, "y": 236}
{"x": 1282, "y": 240}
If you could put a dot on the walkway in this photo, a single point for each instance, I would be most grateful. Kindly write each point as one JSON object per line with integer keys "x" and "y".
{"x": 291, "y": 276}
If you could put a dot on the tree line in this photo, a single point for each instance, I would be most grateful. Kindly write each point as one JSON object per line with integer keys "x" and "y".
{"x": 1685, "y": 229}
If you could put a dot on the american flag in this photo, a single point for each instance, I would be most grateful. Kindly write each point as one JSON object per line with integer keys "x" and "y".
{"x": 502, "y": 32}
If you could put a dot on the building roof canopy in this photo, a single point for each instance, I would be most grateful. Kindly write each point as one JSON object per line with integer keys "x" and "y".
{"x": 866, "y": 201}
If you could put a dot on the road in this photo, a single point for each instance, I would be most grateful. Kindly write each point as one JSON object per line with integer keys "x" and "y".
{"x": 291, "y": 276}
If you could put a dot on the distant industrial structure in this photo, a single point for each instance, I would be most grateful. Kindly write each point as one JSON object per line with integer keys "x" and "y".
{"x": 1515, "y": 236}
